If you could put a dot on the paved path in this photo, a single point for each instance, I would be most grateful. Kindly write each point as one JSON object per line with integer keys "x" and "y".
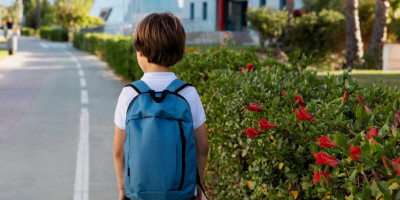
{"x": 56, "y": 124}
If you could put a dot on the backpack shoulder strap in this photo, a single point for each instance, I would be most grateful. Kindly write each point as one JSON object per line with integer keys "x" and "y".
{"x": 139, "y": 86}
{"x": 177, "y": 85}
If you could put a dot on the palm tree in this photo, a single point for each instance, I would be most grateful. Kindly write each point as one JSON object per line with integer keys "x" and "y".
{"x": 290, "y": 6}
{"x": 378, "y": 34}
{"x": 354, "y": 44}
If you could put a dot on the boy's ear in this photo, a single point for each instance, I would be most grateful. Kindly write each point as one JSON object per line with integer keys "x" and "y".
{"x": 140, "y": 54}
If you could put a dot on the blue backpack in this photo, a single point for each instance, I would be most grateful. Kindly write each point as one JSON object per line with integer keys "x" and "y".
{"x": 160, "y": 151}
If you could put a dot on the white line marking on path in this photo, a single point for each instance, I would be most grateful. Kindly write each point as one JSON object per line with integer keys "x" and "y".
{"x": 42, "y": 44}
{"x": 81, "y": 73}
{"x": 84, "y": 97}
{"x": 81, "y": 185}
{"x": 83, "y": 82}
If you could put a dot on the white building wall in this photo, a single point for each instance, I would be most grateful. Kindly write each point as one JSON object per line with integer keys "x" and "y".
{"x": 198, "y": 24}
{"x": 275, "y": 4}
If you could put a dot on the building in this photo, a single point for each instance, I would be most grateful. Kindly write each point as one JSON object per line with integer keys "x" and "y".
{"x": 214, "y": 15}
{"x": 125, "y": 14}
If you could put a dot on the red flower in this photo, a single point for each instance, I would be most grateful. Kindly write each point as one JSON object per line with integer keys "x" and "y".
{"x": 301, "y": 101}
{"x": 298, "y": 66}
{"x": 355, "y": 104}
{"x": 242, "y": 69}
{"x": 367, "y": 109}
{"x": 251, "y": 132}
{"x": 323, "y": 159}
{"x": 253, "y": 108}
{"x": 303, "y": 115}
{"x": 268, "y": 67}
{"x": 396, "y": 165}
{"x": 284, "y": 93}
{"x": 397, "y": 120}
{"x": 227, "y": 32}
{"x": 336, "y": 67}
{"x": 345, "y": 95}
{"x": 324, "y": 141}
{"x": 224, "y": 39}
{"x": 361, "y": 99}
{"x": 317, "y": 177}
{"x": 355, "y": 151}
{"x": 264, "y": 124}
{"x": 372, "y": 132}
{"x": 249, "y": 67}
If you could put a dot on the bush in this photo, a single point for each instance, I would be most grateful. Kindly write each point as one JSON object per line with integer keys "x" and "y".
{"x": 28, "y": 31}
{"x": 317, "y": 34}
{"x": 267, "y": 22}
{"x": 279, "y": 163}
{"x": 285, "y": 161}
{"x": 60, "y": 35}
{"x": 117, "y": 51}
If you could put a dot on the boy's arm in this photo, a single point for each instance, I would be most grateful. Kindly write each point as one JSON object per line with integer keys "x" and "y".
{"x": 201, "y": 139}
{"x": 119, "y": 159}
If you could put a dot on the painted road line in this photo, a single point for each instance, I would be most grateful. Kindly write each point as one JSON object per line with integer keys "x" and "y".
{"x": 81, "y": 73}
{"x": 83, "y": 82}
{"x": 84, "y": 97}
{"x": 42, "y": 44}
{"x": 81, "y": 185}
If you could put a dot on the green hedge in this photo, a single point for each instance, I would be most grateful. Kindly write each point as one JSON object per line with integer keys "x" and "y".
{"x": 316, "y": 33}
{"x": 60, "y": 35}
{"x": 28, "y": 31}
{"x": 283, "y": 162}
{"x": 117, "y": 51}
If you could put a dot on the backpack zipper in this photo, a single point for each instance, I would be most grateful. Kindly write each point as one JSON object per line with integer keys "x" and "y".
{"x": 183, "y": 141}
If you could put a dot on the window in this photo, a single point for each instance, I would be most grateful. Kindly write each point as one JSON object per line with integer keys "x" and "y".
{"x": 263, "y": 2}
{"x": 191, "y": 10}
{"x": 204, "y": 10}
{"x": 282, "y": 4}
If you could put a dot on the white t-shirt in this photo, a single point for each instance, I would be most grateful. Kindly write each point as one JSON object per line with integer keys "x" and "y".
{"x": 158, "y": 81}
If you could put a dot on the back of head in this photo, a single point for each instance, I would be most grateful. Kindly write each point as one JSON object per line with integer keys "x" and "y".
{"x": 161, "y": 38}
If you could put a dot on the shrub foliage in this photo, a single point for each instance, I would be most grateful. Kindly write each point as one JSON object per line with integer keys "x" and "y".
{"x": 60, "y": 35}
{"x": 278, "y": 131}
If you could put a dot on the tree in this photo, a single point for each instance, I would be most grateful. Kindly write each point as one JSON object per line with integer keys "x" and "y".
{"x": 379, "y": 31}
{"x": 71, "y": 13}
{"x": 269, "y": 23}
{"x": 354, "y": 44}
{"x": 290, "y": 4}
{"x": 38, "y": 14}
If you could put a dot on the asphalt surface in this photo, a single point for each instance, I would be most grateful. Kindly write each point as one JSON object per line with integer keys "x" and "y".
{"x": 56, "y": 123}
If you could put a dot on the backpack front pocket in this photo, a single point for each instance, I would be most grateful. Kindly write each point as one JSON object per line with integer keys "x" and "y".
{"x": 157, "y": 156}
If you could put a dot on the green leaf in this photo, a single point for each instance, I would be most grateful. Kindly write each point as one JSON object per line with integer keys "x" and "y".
{"x": 353, "y": 176}
{"x": 367, "y": 191}
{"x": 374, "y": 188}
{"x": 340, "y": 140}
{"x": 398, "y": 195}
{"x": 384, "y": 188}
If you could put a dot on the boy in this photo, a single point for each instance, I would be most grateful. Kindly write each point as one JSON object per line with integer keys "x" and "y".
{"x": 159, "y": 41}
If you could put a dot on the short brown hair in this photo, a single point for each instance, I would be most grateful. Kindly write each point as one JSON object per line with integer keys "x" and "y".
{"x": 161, "y": 38}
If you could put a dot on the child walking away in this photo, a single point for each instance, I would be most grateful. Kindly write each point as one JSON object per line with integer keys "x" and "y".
{"x": 160, "y": 141}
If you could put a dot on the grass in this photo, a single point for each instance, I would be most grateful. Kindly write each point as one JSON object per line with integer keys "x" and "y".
{"x": 3, "y": 54}
{"x": 366, "y": 78}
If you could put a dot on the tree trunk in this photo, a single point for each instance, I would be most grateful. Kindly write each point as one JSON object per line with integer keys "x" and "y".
{"x": 379, "y": 31}
{"x": 38, "y": 14}
{"x": 290, "y": 6}
{"x": 354, "y": 44}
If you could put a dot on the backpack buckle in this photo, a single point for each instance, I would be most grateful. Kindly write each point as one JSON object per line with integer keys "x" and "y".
{"x": 158, "y": 99}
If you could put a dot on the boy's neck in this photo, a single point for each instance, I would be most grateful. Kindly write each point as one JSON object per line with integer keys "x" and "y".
{"x": 151, "y": 67}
